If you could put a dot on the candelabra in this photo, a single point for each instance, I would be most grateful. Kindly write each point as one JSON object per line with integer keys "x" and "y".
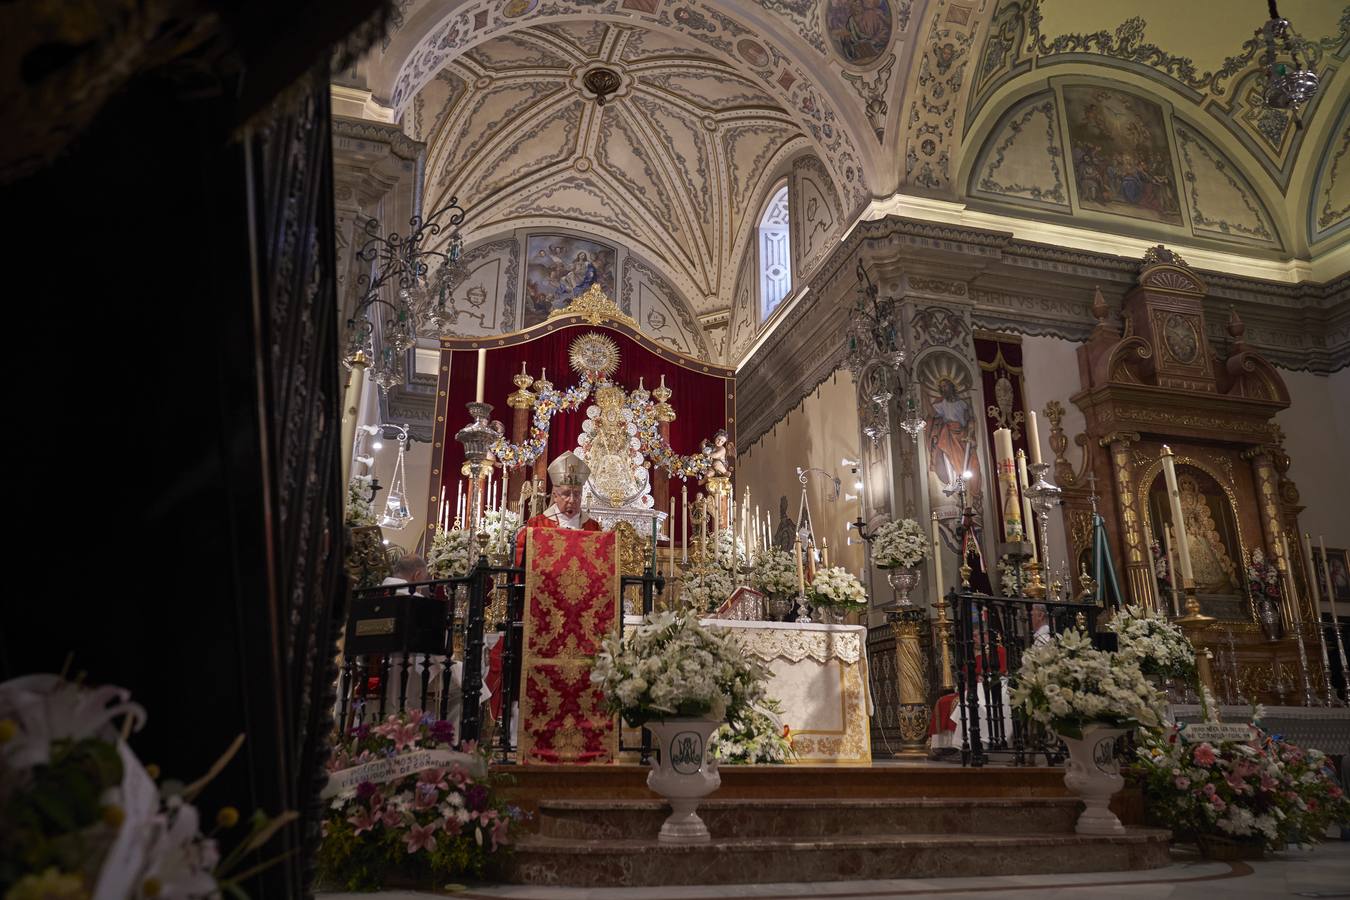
{"x": 1288, "y": 85}
{"x": 1044, "y": 497}
{"x": 877, "y": 360}
{"x": 477, "y": 437}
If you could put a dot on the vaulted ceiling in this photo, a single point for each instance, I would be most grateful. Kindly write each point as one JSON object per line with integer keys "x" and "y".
{"x": 971, "y": 101}
{"x": 674, "y": 164}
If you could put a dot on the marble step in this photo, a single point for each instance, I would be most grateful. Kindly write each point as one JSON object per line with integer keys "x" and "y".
{"x": 598, "y": 820}
{"x": 761, "y": 860}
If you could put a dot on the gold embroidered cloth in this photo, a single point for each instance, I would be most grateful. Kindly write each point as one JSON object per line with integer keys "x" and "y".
{"x": 571, "y": 603}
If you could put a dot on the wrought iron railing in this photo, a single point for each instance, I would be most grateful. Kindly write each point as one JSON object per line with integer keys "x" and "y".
{"x": 991, "y": 634}
{"x": 415, "y": 633}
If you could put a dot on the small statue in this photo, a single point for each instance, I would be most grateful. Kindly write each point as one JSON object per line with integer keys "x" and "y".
{"x": 785, "y": 532}
{"x": 721, "y": 451}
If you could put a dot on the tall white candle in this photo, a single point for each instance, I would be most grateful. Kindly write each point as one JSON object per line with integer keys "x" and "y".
{"x": 1007, "y": 483}
{"x": 1289, "y": 582}
{"x": 1023, "y": 484}
{"x": 1309, "y": 573}
{"x": 1033, "y": 438}
{"x": 684, "y": 524}
{"x": 937, "y": 556}
{"x": 482, "y": 375}
{"x": 1178, "y": 523}
{"x": 1331, "y": 589}
{"x": 459, "y": 500}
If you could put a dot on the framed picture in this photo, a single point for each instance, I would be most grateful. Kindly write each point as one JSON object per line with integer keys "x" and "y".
{"x": 1339, "y": 561}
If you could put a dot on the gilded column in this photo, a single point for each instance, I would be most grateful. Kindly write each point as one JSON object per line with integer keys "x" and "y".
{"x": 1132, "y": 537}
{"x": 911, "y": 687}
{"x": 1268, "y": 507}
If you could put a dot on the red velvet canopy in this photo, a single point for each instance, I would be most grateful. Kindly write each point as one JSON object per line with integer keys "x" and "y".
{"x": 704, "y": 395}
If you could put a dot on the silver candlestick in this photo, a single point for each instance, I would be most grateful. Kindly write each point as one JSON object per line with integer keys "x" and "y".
{"x": 1044, "y": 497}
{"x": 477, "y": 437}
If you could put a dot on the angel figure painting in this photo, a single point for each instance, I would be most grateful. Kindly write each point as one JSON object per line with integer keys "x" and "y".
{"x": 560, "y": 268}
{"x": 1122, "y": 162}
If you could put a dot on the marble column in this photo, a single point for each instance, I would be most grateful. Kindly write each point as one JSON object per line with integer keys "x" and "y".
{"x": 1132, "y": 537}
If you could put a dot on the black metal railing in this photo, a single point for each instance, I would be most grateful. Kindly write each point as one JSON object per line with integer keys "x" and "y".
{"x": 990, "y": 635}
{"x": 401, "y": 634}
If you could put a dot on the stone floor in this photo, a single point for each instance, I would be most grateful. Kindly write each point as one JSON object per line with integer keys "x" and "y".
{"x": 1323, "y": 872}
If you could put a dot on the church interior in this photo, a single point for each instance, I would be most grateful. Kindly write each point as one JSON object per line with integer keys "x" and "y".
{"x": 680, "y": 448}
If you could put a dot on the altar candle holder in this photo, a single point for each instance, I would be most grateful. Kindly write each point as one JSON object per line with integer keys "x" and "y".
{"x": 477, "y": 437}
{"x": 1044, "y": 497}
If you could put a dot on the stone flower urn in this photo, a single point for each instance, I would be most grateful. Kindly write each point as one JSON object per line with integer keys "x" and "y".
{"x": 684, "y": 774}
{"x": 1094, "y": 775}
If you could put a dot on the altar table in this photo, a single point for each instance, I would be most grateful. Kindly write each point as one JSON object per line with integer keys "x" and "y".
{"x": 819, "y": 677}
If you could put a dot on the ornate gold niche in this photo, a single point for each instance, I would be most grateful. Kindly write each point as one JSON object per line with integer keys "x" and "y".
{"x": 1154, "y": 378}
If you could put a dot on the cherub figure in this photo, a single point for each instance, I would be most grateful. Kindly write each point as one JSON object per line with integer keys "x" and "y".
{"x": 721, "y": 450}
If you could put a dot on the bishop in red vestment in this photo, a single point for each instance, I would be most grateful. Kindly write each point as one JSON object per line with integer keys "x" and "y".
{"x": 568, "y": 473}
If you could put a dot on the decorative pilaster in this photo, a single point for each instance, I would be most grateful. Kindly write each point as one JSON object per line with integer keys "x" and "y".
{"x": 1132, "y": 536}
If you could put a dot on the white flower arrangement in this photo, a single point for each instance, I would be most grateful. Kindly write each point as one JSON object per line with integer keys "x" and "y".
{"x": 1007, "y": 577}
{"x": 725, "y": 543}
{"x": 86, "y": 818}
{"x": 449, "y": 553}
{"x": 493, "y": 523}
{"x": 775, "y": 572}
{"x": 753, "y": 736}
{"x": 1160, "y": 647}
{"x": 836, "y": 587}
{"x": 704, "y": 590}
{"x": 900, "y": 543}
{"x": 360, "y": 511}
{"x": 1067, "y": 683}
{"x": 671, "y": 665}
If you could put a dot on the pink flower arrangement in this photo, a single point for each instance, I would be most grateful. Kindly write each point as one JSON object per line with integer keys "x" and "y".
{"x": 1262, "y": 789}
{"x": 441, "y": 823}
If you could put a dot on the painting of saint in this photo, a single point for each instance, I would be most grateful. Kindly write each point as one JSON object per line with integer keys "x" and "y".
{"x": 859, "y": 29}
{"x": 1122, "y": 162}
{"x": 953, "y": 436}
{"x": 560, "y": 268}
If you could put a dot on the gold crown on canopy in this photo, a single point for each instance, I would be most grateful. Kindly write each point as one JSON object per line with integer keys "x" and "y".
{"x": 568, "y": 470}
{"x": 595, "y": 307}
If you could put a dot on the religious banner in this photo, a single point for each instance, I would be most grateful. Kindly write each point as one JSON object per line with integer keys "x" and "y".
{"x": 1000, "y": 360}
{"x": 571, "y": 603}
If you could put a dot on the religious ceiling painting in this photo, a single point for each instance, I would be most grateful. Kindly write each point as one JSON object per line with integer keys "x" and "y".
{"x": 1122, "y": 160}
{"x": 859, "y": 30}
{"x": 951, "y": 412}
{"x": 560, "y": 268}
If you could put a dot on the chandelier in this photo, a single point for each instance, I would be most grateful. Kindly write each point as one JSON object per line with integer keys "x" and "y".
{"x": 421, "y": 295}
{"x": 877, "y": 359}
{"x": 1291, "y": 84}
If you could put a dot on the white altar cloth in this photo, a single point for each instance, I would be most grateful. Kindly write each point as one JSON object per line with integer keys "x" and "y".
{"x": 819, "y": 676}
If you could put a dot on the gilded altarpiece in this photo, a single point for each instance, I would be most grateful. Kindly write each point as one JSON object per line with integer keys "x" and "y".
{"x": 1153, "y": 378}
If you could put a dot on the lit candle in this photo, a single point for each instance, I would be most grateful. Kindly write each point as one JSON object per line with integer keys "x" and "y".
{"x": 801, "y": 573}
{"x": 1178, "y": 523}
{"x": 459, "y": 499}
{"x": 684, "y": 524}
{"x": 653, "y": 545}
{"x": 1033, "y": 438}
{"x": 1024, "y": 483}
{"x": 670, "y": 537}
{"x": 482, "y": 375}
{"x": 1314, "y": 589}
{"x": 937, "y": 559}
{"x": 825, "y": 551}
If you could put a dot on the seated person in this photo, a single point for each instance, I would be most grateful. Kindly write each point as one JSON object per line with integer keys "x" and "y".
{"x": 568, "y": 474}
{"x": 409, "y": 569}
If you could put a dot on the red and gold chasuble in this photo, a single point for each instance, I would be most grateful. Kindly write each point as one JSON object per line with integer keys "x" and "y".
{"x": 571, "y": 603}
{"x": 543, "y": 520}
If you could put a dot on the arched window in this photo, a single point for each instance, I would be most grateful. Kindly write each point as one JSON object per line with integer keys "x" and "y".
{"x": 775, "y": 256}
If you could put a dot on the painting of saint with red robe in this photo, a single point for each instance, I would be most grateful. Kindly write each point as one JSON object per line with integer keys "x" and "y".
{"x": 952, "y": 435}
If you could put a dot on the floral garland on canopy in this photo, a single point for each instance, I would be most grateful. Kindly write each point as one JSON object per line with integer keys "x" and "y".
{"x": 550, "y": 401}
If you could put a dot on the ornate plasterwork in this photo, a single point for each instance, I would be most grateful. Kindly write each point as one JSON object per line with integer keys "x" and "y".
{"x": 1329, "y": 210}
{"x": 930, "y": 126}
{"x": 871, "y": 88}
{"x": 1033, "y": 125}
{"x": 1228, "y": 91}
{"x": 1209, "y": 177}
{"x": 674, "y": 165}
{"x": 714, "y": 33}
{"x": 816, "y": 217}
